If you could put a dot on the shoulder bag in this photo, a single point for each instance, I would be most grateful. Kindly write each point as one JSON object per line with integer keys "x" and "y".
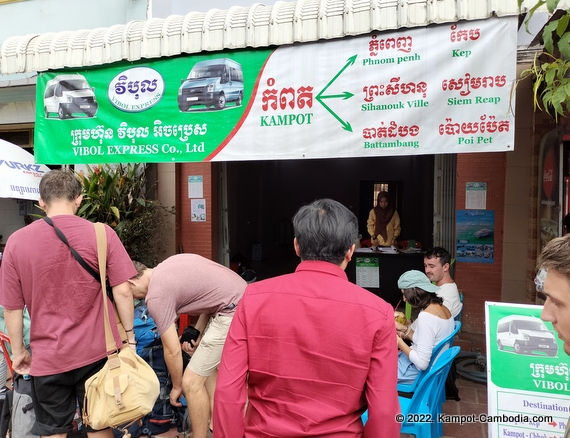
{"x": 126, "y": 388}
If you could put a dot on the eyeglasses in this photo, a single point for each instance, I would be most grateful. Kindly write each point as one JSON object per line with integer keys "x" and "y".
{"x": 539, "y": 280}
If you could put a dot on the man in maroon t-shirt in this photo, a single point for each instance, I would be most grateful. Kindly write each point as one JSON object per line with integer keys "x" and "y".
{"x": 67, "y": 334}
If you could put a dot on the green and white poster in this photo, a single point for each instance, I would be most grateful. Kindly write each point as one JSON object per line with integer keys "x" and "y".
{"x": 527, "y": 373}
{"x": 367, "y": 271}
{"x": 438, "y": 89}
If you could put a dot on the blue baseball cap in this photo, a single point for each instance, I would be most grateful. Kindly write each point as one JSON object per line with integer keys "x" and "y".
{"x": 415, "y": 278}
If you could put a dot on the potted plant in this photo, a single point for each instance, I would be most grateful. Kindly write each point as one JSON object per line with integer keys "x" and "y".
{"x": 117, "y": 196}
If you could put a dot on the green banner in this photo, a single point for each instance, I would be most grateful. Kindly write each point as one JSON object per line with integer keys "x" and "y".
{"x": 173, "y": 110}
{"x": 380, "y": 94}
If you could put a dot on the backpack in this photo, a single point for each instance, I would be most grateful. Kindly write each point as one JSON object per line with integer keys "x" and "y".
{"x": 149, "y": 347}
{"x": 18, "y": 414}
{"x": 146, "y": 332}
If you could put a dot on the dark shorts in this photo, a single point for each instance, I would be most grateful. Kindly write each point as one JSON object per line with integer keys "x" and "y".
{"x": 55, "y": 399}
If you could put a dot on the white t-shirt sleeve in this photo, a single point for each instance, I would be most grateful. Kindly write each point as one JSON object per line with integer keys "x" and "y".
{"x": 450, "y": 295}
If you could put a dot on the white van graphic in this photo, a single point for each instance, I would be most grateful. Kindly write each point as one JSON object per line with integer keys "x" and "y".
{"x": 212, "y": 83}
{"x": 525, "y": 335}
{"x": 69, "y": 95}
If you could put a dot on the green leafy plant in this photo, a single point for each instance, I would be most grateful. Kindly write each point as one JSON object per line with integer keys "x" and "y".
{"x": 117, "y": 196}
{"x": 551, "y": 88}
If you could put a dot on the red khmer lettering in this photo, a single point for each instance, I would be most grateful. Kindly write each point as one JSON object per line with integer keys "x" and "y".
{"x": 392, "y": 88}
{"x": 483, "y": 125}
{"x": 273, "y": 99}
{"x": 402, "y": 44}
{"x": 390, "y": 132}
{"x": 464, "y": 35}
{"x": 465, "y": 84}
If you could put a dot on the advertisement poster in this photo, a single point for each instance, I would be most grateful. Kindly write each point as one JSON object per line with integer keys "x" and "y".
{"x": 527, "y": 373}
{"x": 475, "y": 231}
{"x": 197, "y": 210}
{"x": 385, "y": 93}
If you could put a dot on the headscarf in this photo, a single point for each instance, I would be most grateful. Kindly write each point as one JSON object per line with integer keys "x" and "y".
{"x": 383, "y": 215}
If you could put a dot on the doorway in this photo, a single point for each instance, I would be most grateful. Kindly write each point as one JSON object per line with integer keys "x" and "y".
{"x": 263, "y": 196}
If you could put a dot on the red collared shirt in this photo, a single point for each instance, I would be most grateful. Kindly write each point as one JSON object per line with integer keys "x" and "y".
{"x": 315, "y": 351}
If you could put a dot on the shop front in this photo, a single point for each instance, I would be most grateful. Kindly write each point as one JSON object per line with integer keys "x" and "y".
{"x": 256, "y": 133}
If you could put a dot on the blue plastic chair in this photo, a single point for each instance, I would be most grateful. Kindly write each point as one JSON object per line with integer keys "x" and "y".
{"x": 443, "y": 345}
{"x": 426, "y": 399}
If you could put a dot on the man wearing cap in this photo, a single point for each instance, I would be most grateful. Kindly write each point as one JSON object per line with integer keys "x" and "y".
{"x": 434, "y": 323}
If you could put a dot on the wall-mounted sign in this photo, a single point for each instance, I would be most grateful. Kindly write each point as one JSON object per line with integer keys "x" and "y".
{"x": 195, "y": 186}
{"x": 197, "y": 210}
{"x": 431, "y": 90}
{"x": 476, "y": 196}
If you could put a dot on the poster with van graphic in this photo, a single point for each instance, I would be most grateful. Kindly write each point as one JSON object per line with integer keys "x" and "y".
{"x": 528, "y": 385}
{"x": 381, "y": 94}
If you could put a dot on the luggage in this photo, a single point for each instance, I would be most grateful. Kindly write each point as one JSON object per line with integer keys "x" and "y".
{"x": 23, "y": 415}
{"x": 17, "y": 414}
{"x": 149, "y": 347}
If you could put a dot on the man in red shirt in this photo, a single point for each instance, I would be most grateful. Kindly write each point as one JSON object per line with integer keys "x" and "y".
{"x": 310, "y": 351}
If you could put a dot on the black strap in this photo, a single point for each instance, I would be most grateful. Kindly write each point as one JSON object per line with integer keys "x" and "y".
{"x": 75, "y": 253}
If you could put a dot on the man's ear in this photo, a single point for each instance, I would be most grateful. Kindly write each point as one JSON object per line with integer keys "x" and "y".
{"x": 296, "y": 245}
{"x": 446, "y": 267}
{"x": 350, "y": 252}
{"x": 78, "y": 200}
{"x": 42, "y": 204}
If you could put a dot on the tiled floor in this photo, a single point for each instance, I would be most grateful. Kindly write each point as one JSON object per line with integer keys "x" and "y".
{"x": 473, "y": 397}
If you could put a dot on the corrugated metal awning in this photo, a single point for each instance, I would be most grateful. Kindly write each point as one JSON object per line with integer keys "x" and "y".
{"x": 238, "y": 27}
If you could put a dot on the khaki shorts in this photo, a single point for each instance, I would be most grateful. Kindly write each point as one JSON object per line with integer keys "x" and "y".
{"x": 208, "y": 355}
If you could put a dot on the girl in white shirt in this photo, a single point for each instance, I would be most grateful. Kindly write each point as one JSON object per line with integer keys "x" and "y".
{"x": 434, "y": 323}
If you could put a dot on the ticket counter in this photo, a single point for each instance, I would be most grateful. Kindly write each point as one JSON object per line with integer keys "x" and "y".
{"x": 378, "y": 272}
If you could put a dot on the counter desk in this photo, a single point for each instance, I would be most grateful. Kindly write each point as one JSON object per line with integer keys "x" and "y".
{"x": 378, "y": 271}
